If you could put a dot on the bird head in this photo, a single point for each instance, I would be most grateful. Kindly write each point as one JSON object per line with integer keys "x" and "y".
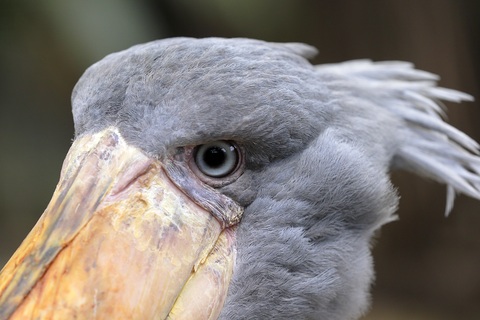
{"x": 230, "y": 178}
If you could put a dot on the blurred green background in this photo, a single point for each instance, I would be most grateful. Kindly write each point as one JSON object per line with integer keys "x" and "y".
{"x": 428, "y": 266}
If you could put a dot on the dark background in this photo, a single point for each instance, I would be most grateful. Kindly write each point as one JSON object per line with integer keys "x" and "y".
{"x": 428, "y": 266}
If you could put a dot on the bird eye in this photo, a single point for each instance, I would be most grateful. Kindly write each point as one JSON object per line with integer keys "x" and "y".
{"x": 217, "y": 159}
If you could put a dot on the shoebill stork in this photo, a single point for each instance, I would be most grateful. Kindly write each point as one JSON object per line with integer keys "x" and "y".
{"x": 231, "y": 179}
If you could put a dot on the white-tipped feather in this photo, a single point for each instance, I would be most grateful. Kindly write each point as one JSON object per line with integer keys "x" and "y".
{"x": 384, "y": 70}
{"x": 448, "y": 94}
{"x": 425, "y": 104}
{"x": 431, "y": 147}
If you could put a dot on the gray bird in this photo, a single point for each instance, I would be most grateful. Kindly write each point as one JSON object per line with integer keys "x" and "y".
{"x": 231, "y": 179}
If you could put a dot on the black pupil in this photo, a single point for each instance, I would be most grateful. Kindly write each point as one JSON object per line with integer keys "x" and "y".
{"x": 215, "y": 157}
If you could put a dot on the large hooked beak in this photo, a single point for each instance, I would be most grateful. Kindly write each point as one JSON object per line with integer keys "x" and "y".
{"x": 120, "y": 239}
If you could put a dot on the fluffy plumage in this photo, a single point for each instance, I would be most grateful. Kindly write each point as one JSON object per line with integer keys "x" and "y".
{"x": 319, "y": 140}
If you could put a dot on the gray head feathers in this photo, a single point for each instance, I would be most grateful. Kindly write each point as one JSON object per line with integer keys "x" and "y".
{"x": 319, "y": 142}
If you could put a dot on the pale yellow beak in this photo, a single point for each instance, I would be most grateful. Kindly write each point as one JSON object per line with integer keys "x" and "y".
{"x": 119, "y": 240}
